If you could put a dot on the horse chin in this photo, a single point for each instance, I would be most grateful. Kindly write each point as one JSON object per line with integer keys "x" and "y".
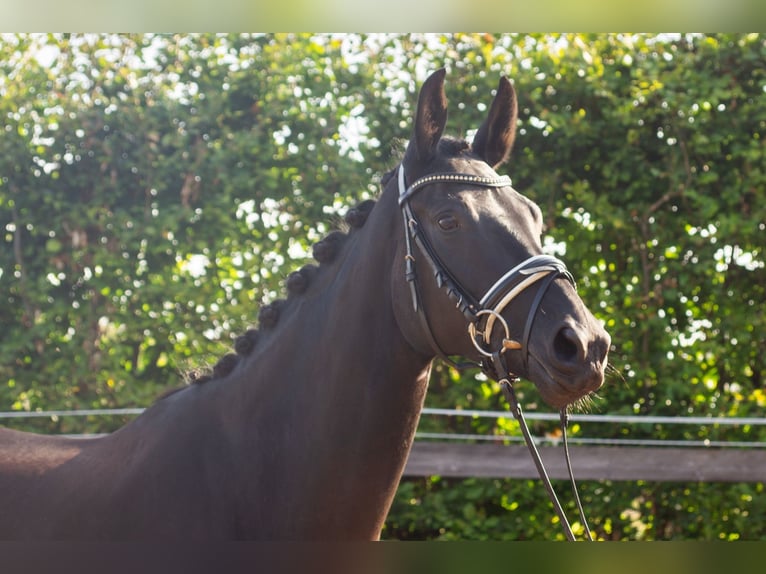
{"x": 561, "y": 390}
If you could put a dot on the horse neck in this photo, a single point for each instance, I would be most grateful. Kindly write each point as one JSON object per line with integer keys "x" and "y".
{"x": 335, "y": 389}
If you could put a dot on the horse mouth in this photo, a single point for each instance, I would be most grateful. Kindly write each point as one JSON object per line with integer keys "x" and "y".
{"x": 559, "y": 389}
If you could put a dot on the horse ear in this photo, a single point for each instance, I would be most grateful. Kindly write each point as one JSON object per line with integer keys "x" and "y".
{"x": 431, "y": 116}
{"x": 494, "y": 139}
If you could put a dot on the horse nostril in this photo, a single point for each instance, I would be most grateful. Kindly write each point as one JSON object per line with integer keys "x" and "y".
{"x": 568, "y": 347}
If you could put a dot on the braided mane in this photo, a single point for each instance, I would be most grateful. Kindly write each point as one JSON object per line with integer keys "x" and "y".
{"x": 325, "y": 251}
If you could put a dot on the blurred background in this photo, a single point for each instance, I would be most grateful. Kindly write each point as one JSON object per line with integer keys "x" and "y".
{"x": 155, "y": 190}
{"x": 368, "y": 15}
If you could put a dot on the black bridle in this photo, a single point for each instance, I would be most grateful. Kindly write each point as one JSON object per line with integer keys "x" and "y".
{"x": 485, "y": 313}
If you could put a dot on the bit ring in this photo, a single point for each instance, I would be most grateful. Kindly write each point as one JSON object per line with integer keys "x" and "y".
{"x": 508, "y": 343}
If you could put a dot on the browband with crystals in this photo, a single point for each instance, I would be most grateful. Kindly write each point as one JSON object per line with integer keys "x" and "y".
{"x": 405, "y": 194}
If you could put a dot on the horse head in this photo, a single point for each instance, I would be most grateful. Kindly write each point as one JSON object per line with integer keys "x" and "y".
{"x": 470, "y": 278}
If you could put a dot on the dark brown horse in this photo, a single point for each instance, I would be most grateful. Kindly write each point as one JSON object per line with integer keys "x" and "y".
{"x": 303, "y": 433}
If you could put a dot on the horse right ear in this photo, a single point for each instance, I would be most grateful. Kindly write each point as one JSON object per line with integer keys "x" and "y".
{"x": 494, "y": 139}
{"x": 431, "y": 116}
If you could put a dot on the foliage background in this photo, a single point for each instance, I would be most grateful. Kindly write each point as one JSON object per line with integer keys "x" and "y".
{"x": 155, "y": 190}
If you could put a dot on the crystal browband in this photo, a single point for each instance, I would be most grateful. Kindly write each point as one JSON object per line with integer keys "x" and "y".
{"x": 500, "y": 181}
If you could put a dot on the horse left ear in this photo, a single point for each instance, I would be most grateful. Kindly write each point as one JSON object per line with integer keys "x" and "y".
{"x": 431, "y": 116}
{"x": 494, "y": 139}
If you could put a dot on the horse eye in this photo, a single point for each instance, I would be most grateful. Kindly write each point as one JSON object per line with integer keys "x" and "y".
{"x": 448, "y": 222}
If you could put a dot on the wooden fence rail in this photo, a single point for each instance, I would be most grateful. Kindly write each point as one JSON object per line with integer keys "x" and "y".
{"x": 673, "y": 462}
{"x": 589, "y": 462}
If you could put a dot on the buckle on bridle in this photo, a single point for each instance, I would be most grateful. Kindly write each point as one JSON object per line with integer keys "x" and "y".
{"x": 480, "y": 340}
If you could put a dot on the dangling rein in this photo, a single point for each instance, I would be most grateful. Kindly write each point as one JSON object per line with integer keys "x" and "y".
{"x": 543, "y": 268}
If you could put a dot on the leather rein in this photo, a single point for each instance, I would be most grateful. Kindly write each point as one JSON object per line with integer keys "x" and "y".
{"x": 484, "y": 314}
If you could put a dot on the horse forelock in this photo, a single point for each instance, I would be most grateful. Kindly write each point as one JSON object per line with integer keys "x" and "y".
{"x": 450, "y": 146}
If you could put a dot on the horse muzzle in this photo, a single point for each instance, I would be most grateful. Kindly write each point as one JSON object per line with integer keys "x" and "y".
{"x": 570, "y": 365}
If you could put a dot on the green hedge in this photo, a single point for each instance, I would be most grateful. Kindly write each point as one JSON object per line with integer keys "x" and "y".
{"x": 154, "y": 190}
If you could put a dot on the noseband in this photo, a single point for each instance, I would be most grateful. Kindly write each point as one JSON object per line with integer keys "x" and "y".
{"x": 485, "y": 313}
